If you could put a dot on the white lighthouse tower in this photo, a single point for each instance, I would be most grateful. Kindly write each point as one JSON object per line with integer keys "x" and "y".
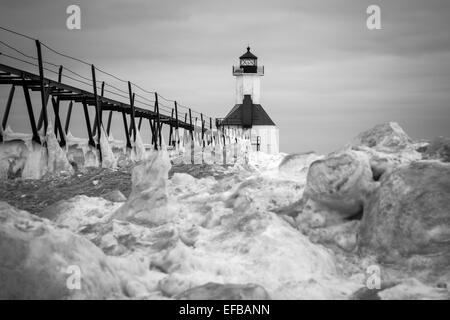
{"x": 248, "y": 114}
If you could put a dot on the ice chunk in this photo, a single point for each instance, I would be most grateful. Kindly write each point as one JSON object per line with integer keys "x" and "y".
{"x": 13, "y": 156}
{"x": 138, "y": 153}
{"x": 108, "y": 158}
{"x": 36, "y": 164}
{"x": 57, "y": 159}
{"x": 148, "y": 201}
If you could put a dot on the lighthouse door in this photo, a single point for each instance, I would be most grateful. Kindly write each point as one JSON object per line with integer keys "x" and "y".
{"x": 256, "y": 143}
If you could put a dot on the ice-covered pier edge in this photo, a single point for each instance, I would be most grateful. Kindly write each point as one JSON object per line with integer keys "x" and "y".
{"x": 20, "y": 157}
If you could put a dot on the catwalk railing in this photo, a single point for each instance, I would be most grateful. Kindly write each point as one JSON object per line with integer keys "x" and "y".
{"x": 58, "y": 77}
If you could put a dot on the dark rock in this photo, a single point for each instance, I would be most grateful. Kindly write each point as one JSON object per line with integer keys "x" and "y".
{"x": 217, "y": 291}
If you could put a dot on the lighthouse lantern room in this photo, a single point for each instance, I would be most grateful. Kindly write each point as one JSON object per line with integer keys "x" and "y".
{"x": 247, "y": 113}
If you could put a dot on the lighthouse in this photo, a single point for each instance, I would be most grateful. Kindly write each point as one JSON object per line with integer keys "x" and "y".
{"x": 248, "y": 113}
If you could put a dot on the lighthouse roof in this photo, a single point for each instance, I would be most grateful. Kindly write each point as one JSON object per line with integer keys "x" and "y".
{"x": 259, "y": 116}
{"x": 248, "y": 55}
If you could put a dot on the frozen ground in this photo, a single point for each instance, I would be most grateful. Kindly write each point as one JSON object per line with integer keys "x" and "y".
{"x": 248, "y": 228}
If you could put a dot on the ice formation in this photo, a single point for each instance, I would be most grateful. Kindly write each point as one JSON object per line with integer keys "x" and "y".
{"x": 108, "y": 158}
{"x": 138, "y": 152}
{"x": 272, "y": 226}
{"x": 148, "y": 201}
{"x": 57, "y": 160}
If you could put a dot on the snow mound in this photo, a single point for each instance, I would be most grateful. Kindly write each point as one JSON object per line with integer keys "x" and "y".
{"x": 39, "y": 261}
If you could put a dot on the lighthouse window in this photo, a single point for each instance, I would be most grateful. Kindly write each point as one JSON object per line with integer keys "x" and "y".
{"x": 247, "y": 62}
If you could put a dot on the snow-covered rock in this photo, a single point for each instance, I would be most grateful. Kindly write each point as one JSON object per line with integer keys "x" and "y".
{"x": 407, "y": 220}
{"x": 297, "y": 165}
{"x": 217, "y": 291}
{"x": 80, "y": 212}
{"x": 259, "y": 248}
{"x": 39, "y": 261}
{"x": 341, "y": 183}
{"x": 115, "y": 196}
{"x": 343, "y": 235}
{"x": 413, "y": 289}
{"x": 439, "y": 149}
{"x": 13, "y": 155}
{"x": 264, "y": 193}
{"x": 385, "y": 137}
{"x": 148, "y": 201}
{"x": 387, "y": 147}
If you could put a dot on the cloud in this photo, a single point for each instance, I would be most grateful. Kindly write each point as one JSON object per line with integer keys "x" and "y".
{"x": 324, "y": 69}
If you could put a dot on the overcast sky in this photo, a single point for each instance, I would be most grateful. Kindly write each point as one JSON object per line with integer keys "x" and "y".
{"x": 327, "y": 77}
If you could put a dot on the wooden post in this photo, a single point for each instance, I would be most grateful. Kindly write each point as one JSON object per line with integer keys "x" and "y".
{"x": 41, "y": 80}
{"x": 176, "y": 115}
{"x": 31, "y": 114}
{"x": 8, "y": 107}
{"x": 152, "y": 129}
{"x": 158, "y": 127}
{"x": 133, "y": 111}
{"x": 58, "y": 126}
{"x": 192, "y": 136}
{"x": 98, "y": 111}
{"x": 41, "y": 115}
{"x": 100, "y": 104}
{"x": 171, "y": 128}
{"x": 140, "y": 123}
{"x": 177, "y": 134}
{"x": 124, "y": 117}
{"x": 210, "y": 129}
{"x": 191, "y": 128}
{"x": 224, "y": 148}
{"x": 69, "y": 113}
{"x": 203, "y": 137}
{"x": 60, "y": 74}
{"x": 94, "y": 125}
{"x": 133, "y": 123}
{"x": 108, "y": 126}
{"x": 88, "y": 123}
{"x": 203, "y": 130}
